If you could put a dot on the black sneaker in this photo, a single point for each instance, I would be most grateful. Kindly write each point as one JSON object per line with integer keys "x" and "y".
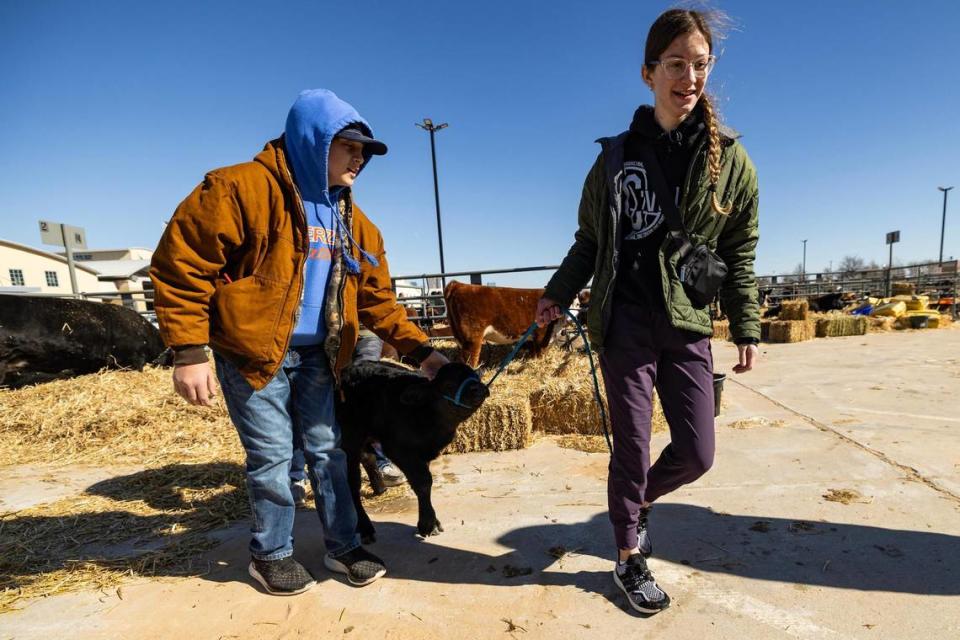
{"x": 283, "y": 577}
{"x": 643, "y": 535}
{"x": 642, "y": 591}
{"x": 360, "y": 566}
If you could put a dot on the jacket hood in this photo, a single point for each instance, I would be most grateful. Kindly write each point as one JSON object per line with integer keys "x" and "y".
{"x": 645, "y": 124}
{"x": 314, "y": 119}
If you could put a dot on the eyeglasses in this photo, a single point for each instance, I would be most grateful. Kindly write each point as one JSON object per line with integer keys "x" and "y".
{"x": 676, "y": 68}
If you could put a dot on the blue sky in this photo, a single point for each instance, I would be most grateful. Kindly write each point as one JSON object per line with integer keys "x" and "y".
{"x": 113, "y": 111}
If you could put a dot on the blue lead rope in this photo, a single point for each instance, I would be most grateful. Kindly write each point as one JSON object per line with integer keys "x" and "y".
{"x": 593, "y": 372}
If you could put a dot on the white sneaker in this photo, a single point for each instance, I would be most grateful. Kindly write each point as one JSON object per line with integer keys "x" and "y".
{"x": 299, "y": 490}
{"x": 392, "y": 476}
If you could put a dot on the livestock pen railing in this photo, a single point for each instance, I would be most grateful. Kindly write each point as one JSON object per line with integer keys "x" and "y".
{"x": 429, "y": 307}
{"x": 940, "y": 280}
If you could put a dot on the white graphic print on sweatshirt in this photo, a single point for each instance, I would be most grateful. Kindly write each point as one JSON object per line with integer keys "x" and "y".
{"x": 639, "y": 201}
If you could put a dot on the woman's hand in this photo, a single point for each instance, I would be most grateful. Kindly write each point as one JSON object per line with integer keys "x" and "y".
{"x": 748, "y": 355}
{"x": 547, "y": 311}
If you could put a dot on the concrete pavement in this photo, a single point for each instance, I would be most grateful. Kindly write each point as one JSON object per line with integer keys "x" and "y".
{"x": 752, "y": 550}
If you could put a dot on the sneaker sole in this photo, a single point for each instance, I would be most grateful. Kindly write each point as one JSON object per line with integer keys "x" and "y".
{"x": 638, "y": 607}
{"x": 252, "y": 570}
{"x": 338, "y": 567}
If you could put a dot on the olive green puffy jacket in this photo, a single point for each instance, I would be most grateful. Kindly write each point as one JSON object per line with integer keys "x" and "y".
{"x": 595, "y": 251}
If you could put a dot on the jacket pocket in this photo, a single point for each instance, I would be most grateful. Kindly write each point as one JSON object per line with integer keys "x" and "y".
{"x": 244, "y": 316}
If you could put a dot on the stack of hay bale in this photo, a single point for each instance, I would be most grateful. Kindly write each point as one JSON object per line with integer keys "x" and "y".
{"x": 902, "y": 289}
{"x": 834, "y": 325}
{"x": 549, "y": 395}
{"x": 794, "y": 324}
{"x": 721, "y": 330}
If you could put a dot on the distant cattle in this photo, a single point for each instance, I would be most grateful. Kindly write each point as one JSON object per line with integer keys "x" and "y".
{"x": 828, "y": 302}
{"x": 833, "y": 301}
{"x": 43, "y": 339}
{"x": 495, "y": 314}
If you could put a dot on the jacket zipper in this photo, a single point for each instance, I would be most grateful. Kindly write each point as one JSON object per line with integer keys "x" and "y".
{"x": 306, "y": 249}
{"x": 340, "y": 289}
{"x": 682, "y": 209}
{"x": 614, "y": 257}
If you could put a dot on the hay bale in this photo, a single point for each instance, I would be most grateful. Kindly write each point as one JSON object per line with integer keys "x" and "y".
{"x": 721, "y": 330}
{"x": 502, "y": 423}
{"x": 794, "y": 309}
{"x": 881, "y": 323}
{"x": 902, "y": 289}
{"x": 792, "y": 330}
{"x": 765, "y": 330}
{"x": 836, "y": 325}
{"x": 945, "y": 320}
{"x": 570, "y": 408}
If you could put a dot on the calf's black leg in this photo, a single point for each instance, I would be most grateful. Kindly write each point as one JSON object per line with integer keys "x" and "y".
{"x": 420, "y": 479}
{"x": 364, "y": 526}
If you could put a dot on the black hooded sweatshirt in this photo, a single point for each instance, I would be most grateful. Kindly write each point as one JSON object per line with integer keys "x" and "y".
{"x": 643, "y": 226}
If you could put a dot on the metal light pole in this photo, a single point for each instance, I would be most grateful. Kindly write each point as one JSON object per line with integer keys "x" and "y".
{"x": 433, "y": 128}
{"x": 943, "y": 222}
{"x": 804, "y": 268}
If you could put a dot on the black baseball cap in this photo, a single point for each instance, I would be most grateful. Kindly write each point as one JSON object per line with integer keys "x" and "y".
{"x": 360, "y": 134}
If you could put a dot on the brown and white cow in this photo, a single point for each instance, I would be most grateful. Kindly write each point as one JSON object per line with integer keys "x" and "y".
{"x": 495, "y": 314}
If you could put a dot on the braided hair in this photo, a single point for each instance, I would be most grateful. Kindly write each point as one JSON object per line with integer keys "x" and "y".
{"x": 664, "y": 30}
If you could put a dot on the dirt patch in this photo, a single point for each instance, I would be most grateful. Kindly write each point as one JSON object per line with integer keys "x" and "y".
{"x": 752, "y": 423}
{"x": 588, "y": 444}
{"x": 844, "y": 496}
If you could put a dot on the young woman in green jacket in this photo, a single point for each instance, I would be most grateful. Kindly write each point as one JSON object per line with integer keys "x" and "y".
{"x": 641, "y": 320}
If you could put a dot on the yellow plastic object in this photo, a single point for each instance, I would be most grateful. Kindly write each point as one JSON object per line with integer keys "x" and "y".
{"x": 933, "y": 317}
{"x": 893, "y": 309}
{"x": 918, "y": 303}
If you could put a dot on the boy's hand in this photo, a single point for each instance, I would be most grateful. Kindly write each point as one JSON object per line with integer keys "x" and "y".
{"x": 432, "y": 364}
{"x": 195, "y": 383}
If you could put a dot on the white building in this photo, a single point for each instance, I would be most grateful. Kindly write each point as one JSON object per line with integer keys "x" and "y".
{"x": 25, "y": 269}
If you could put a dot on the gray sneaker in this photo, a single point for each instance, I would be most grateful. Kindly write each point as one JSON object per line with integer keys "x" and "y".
{"x": 360, "y": 566}
{"x": 635, "y": 579}
{"x": 283, "y": 577}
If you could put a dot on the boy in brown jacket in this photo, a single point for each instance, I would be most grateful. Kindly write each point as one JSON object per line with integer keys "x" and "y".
{"x": 271, "y": 264}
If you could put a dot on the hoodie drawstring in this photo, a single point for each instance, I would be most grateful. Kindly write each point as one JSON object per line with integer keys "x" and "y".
{"x": 352, "y": 265}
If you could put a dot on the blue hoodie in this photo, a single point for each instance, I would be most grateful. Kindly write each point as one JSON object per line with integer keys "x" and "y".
{"x": 314, "y": 119}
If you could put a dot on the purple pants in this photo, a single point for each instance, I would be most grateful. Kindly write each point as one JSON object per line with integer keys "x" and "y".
{"x": 643, "y": 350}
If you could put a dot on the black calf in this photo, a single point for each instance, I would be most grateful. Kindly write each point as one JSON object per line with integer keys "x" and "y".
{"x": 413, "y": 418}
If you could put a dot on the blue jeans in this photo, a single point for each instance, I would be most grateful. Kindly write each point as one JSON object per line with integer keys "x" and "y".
{"x": 300, "y": 397}
{"x": 367, "y": 350}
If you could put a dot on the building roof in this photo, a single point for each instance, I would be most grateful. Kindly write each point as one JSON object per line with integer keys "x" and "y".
{"x": 119, "y": 250}
{"x": 119, "y": 269}
{"x": 82, "y": 266}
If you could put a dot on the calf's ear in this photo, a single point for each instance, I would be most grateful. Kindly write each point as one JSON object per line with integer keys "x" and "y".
{"x": 416, "y": 394}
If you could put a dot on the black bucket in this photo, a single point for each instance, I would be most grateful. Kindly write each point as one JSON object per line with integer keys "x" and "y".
{"x": 718, "y": 379}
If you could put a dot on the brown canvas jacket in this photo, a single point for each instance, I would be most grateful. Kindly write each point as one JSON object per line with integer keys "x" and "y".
{"x": 228, "y": 272}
